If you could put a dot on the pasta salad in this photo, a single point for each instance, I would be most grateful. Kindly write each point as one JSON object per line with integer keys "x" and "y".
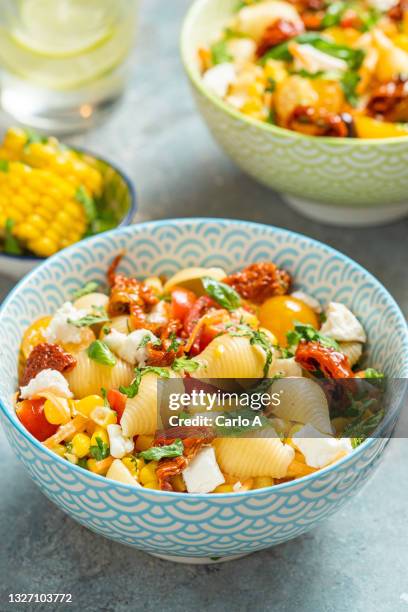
{"x": 90, "y": 375}
{"x": 318, "y": 67}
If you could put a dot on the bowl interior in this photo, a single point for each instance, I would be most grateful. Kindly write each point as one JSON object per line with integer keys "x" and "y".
{"x": 166, "y": 246}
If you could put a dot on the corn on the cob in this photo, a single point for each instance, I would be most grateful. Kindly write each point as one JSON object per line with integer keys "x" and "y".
{"x": 44, "y": 207}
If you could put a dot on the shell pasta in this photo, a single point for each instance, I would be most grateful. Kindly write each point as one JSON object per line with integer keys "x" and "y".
{"x": 205, "y": 382}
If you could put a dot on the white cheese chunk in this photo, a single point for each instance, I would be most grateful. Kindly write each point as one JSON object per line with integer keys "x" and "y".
{"x": 203, "y": 475}
{"x": 128, "y": 346}
{"x": 219, "y": 78}
{"x": 311, "y": 59}
{"x": 383, "y": 6}
{"x": 319, "y": 450}
{"x": 120, "y": 473}
{"x": 308, "y": 300}
{"x": 59, "y": 330}
{"x": 119, "y": 445}
{"x": 46, "y": 380}
{"x": 342, "y": 325}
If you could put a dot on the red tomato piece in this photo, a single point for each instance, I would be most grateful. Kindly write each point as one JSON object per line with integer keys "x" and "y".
{"x": 182, "y": 301}
{"x": 199, "y": 308}
{"x": 117, "y": 402}
{"x": 31, "y": 414}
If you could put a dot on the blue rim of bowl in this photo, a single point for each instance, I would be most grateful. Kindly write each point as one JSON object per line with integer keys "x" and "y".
{"x": 276, "y": 488}
{"x": 125, "y": 221}
{"x": 188, "y": 22}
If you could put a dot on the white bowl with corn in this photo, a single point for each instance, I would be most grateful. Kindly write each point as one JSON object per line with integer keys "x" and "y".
{"x": 52, "y": 196}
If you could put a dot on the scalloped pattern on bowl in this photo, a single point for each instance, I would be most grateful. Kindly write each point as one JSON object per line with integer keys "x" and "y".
{"x": 176, "y": 524}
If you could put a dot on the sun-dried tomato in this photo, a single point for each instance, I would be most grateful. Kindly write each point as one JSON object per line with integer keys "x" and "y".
{"x": 317, "y": 122}
{"x": 128, "y": 295}
{"x": 260, "y": 281}
{"x": 193, "y": 439}
{"x": 313, "y": 356}
{"x": 396, "y": 13}
{"x": 390, "y": 101}
{"x": 47, "y": 356}
{"x": 276, "y": 33}
{"x": 312, "y": 20}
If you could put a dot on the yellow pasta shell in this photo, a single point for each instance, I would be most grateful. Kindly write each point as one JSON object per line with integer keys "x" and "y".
{"x": 190, "y": 278}
{"x": 88, "y": 376}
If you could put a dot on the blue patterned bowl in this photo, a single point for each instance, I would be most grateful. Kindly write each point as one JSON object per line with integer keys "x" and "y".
{"x": 343, "y": 181}
{"x": 198, "y": 528}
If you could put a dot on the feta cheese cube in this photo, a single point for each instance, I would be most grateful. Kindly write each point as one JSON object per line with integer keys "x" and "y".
{"x": 118, "y": 443}
{"x": 46, "y": 380}
{"x": 342, "y": 325}
{"x": 128, "y": 346}
{"x": 59, "y": 330}
{"x": 203, "y": 475}
{"x": 318, "y": 449}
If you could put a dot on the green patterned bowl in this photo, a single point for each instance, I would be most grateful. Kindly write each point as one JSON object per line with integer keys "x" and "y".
{"x": 336, "y": 180}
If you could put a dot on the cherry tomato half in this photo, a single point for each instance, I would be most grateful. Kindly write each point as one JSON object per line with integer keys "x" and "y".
{"x": 31, "y": 414}
{"x": 182, "y": 301}
{"x": 280, "y": 313}
{"x": 117, "y": 402}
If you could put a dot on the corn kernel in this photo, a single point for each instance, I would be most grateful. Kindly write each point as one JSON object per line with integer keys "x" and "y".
{"x": 178, "y": 483}
{"x": 81, "y": 443}
{"x": 102, "y": 435}
{"x": 131, "y": 465}
{"x": 143, "y": 443}
{"x": 153, "y": 484}
{"x": 262, "y": 481}
{"x": 88, "y": 403}
{"x": 148, "y": 472}
{"x": 59, "y": 450}
{"x": 99, "y": 467}
{"x": 224, "y": 488}
{"x": 58, "y": 412}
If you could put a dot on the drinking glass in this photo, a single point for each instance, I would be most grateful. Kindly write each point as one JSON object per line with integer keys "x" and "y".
{"x": 63, "y": 62}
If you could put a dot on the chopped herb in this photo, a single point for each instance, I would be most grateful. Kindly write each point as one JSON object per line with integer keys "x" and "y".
{"x": 271, "y": 118}
{"x": 186, "y": 364}
{"x": 98, "y": 316}
{"x": 155, "y": 453}
{"x": 369, "y": 19}
{"x": 85, "y": 290}
{"x": 310, "y": 334}
{"x": 220, "y": 53}
{"x": 174, "y": 343}
{"x": 363, "y": 427}
{"x": 83, "y": 463}
{"x": 11, "y": 244}
{"x": 133, "y": 389}
{"x": 101, "y": 353}
{"x": 230, "y": 33}
{"x": 100, "y": 451}
{"x": 146, "y": 339}
{"x": 256, "y": 337}
{"x": 333, "y": 14}
{"x": 106, "y": 330}
{"x": 271, "y": 85}
{"x": 104, "y": 394}
{"x": 373, "y": 373}
{"x": 349, "y": 82}
{"x": 309, "y": 75}
{"x": 281, "y": 51}
{"x": 4, "y": 165}
{"x": 87, "y": 202}
{"x": 222, "y": 293}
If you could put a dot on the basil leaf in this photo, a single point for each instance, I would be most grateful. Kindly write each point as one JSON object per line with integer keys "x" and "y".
{"x": 133, "y": 389}
{"x": 155, "y": 453}
{"x": 349, "y": 82}
{"x": 87, "y": 202}
{"x": 219, "y": 53}
{"x": 174, "y": 343}
{"x": 101, "y": 353}
{"x": 281, "y": 51}
{"x": 186, "y": 364}
{"x": 256, "y": 337}
{"x": 310, "y": 334}
{"x": 372, "y": 373}
{"x": 222, "y": 293}
{"x": 4, "y": 165}
{"x": 11, "y": 244}
{"x": 333, "y": 14}
{"x": 353, "y": 57}
{"x": 101, "y": 451}
{"x": 98, "y": 316}
{"x": 361, "y": 428}
{"x": 85, "y": 290}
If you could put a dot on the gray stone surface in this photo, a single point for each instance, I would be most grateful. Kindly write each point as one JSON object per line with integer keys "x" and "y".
{"x": 355, "y": 561}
